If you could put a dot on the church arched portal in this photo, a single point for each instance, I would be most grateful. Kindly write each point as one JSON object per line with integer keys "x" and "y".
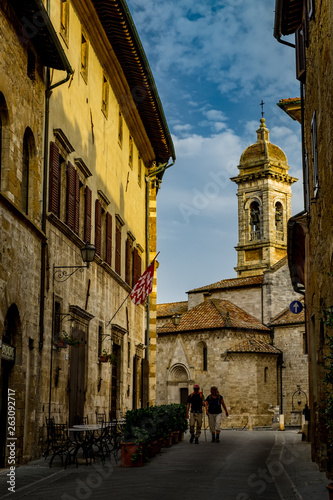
{"x": 178, "y": 383}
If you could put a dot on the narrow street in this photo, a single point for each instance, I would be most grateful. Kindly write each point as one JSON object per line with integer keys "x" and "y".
{"x": 246, "y": 465}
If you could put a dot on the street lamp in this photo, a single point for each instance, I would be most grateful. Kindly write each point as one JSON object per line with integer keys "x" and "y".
{"x": 176, "y": 319}
{"x": 61, "y": 274}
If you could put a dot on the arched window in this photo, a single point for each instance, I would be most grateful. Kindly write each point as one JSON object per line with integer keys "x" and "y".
{"x": 278, "y": 217}
{"x": 255, "y": 225}
{"x": 204, "y": 358}
{"x": 25, "y": 175}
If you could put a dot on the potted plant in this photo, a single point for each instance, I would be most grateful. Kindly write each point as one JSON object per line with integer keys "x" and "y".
{"x": 108, "y": 357}
{"x": 132, "y": 446}
{"x": 64, "y": 339}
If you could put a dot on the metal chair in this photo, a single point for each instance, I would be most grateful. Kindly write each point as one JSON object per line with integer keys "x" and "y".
{"x": 60, "y": 444}
{"x": 100, "y": 418}
{"x": 80, "y": 420}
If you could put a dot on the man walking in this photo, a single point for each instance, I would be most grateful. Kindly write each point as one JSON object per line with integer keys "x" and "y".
{"x": 195, "y": 401}
{"x": 214, "y": 411}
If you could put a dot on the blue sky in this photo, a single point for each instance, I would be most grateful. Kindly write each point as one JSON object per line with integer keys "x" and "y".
{"x": 213, "y": 62}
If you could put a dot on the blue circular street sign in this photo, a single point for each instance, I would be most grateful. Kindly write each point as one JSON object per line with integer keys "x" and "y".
{"x": 296, "y": 307}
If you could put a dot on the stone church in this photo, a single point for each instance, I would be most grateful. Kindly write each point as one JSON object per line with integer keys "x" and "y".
{"x": 240, "y": 333}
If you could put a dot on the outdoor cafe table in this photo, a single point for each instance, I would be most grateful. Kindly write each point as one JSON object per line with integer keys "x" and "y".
{"x": 87, "y": 438}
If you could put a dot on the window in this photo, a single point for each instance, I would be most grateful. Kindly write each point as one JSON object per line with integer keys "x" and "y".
{"x": 265, "y": 374}
{"x": 64, "y": 19}
{"x": 73, "y": 199}
{"x": 300, "y": 53}
{"x": 25, "y": 175}
{"x": 314, "y": 155}
{"x": 130, "y": 154}
{"x": 105, "y": 97}
{"x": 255, "y": 227}
{"x": 118, "y": 249}
{"x": 120, "y": 129}
{"x": 204, "y": 358}
{"x": 136, "y": 267}
{"x": 279, "y": 221}
{"x": 98, "y": 227}
{"x": 31, "y": 65}
{"x": 108, "y": 253}
{"x": 306, "y": 182}
{"x": 84, "y": 57}
{"x": 54, "y": 179}
{"x": 139, "y": 171}
{"x": 100, "y": 339}
{"x": 87, "y": 215}
{"x": 128, "y": 260}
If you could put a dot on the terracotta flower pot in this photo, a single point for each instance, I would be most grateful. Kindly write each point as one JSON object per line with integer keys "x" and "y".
{"x": 103, "y": 359}
{"x": 131, "y": 455}
{"x": 175, "y": 437}
{"x": 330, "y": 491}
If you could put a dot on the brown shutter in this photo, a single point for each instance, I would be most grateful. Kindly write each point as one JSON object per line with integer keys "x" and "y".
{"x": 108, "y": 238}
{"x": 77, "y": 203}
{"x": 98, "y": 226}
{"x": 118, "y": 250}
{"x": 54, "y": 179}
{"x": 136, "y": 271}
{"x": 128, "y": 262}
{"x": 87, "y": 215}
{"x": 70, "y": 215}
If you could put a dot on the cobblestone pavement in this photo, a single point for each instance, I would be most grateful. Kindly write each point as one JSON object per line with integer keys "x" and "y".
{"x": 245, "y": 465}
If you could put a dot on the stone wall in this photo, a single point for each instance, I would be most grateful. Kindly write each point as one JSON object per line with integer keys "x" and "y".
{"x": 290, "y": 339}
{"x": 248, "y": 389}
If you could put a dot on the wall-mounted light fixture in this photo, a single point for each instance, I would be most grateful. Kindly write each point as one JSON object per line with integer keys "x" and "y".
{"x": 61, "y": 273}
{"x": 176, "y": 319}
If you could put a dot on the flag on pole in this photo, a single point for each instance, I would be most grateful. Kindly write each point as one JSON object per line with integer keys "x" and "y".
{"x": 144, "y": 285}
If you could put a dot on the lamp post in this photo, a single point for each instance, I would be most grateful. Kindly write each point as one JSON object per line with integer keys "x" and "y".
{"x": 61, "y": 274}
{"x": 176, "y": 319}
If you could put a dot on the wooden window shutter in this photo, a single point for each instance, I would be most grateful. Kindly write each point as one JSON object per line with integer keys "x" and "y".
{"x": 87, "y": 216}
{"x": 108, "y": 238}
{"x": 54, "y": 180}
{"x": 300, "y": 53}
{"x": 98, "y": 226}
{"x": 128, "y": 261}
{"x": 70, "y": 214}
{"x": 118, "y": 250}
{"x": 77, "y": 203}
{"x": 136, "y": 272}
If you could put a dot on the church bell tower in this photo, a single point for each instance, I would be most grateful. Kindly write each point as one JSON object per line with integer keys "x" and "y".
{"x": 264, "y": 205}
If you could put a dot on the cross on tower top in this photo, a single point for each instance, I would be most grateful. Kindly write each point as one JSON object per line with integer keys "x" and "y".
{"x": 262, "y": 108}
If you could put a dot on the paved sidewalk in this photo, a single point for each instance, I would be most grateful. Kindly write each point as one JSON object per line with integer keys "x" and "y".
{"x": 269, "y": 465}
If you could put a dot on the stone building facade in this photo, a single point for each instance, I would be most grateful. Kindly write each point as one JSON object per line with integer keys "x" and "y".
{"x": 237, "y": 333}
{"x": 310, "y": 241}
{"x": 83, "y": 147}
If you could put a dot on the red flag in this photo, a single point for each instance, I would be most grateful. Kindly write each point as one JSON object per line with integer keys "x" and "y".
{"x": 143, "y": 286}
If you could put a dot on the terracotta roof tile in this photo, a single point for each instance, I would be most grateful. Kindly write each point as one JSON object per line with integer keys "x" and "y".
{"x": 168, "y": 309}
{"x": 214, "y": 313}
{"x": 231, "y": 283}
{"x": 254, "y": 345}
{"x": 286, "y": 317}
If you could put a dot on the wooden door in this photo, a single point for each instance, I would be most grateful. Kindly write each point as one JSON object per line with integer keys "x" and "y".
{"x": 77, "y": 380}
{"x": 114, "y": 382}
